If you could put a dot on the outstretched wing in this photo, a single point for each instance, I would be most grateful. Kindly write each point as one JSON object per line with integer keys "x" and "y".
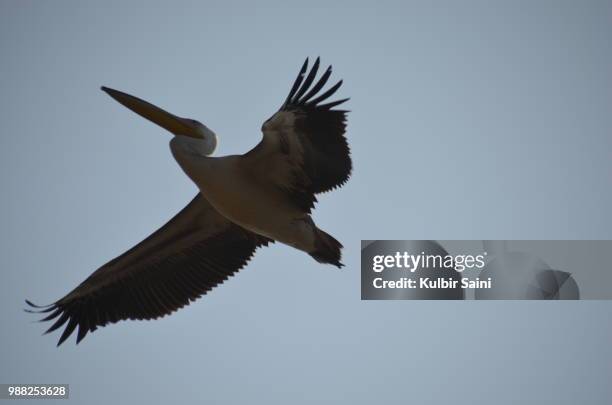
{"x": 192, "y": 253}
{"x": 303, "y": 151}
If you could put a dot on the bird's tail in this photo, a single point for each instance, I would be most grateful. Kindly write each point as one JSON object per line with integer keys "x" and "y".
{"x": 327, "y": 249}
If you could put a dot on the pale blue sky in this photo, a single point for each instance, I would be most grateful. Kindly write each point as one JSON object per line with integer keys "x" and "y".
{"x": 470, "y": 120}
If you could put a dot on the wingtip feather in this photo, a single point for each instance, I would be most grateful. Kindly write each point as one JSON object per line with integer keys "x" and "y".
{"x": 30, "y": 303}
{"x": 68, "y": 331}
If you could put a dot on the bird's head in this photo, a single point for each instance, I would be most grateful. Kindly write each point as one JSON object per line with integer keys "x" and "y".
{"x": 196, "y": 136}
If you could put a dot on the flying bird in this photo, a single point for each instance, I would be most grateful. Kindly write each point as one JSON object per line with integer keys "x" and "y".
{"x": 244, "y": 202}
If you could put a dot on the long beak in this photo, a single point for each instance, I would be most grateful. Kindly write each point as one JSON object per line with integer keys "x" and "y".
{"x": 170, "y": 122}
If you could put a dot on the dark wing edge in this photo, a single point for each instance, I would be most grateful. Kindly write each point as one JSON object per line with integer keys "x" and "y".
{"x": 159, "y": 275}
{"x": 321, "y": 130}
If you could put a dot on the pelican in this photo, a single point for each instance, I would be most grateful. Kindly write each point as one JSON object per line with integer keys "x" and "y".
{"x": 244, "y": 202}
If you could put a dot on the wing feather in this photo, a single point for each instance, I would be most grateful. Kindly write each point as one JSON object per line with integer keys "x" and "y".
{"x": 298, "y": 81}
{"x": 194, "y": 252}
{"x": 326, "y": 95}
{"x": 307, "y": 82}
{"x": 304, "y": 151}
{"x": 317, "y": 87}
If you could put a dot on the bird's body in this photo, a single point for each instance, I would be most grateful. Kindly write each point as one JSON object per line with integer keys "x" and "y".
{"x": 244, "y": 202}
{"x": 230, "y": 186}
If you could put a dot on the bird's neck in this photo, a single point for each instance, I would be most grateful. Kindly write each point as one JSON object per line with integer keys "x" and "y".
{"x": 191, "y": 155}
{"x": 191, "y": 146}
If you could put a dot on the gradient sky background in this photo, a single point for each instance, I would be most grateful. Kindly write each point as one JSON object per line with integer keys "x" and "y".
{"x": 470, "y": 120}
